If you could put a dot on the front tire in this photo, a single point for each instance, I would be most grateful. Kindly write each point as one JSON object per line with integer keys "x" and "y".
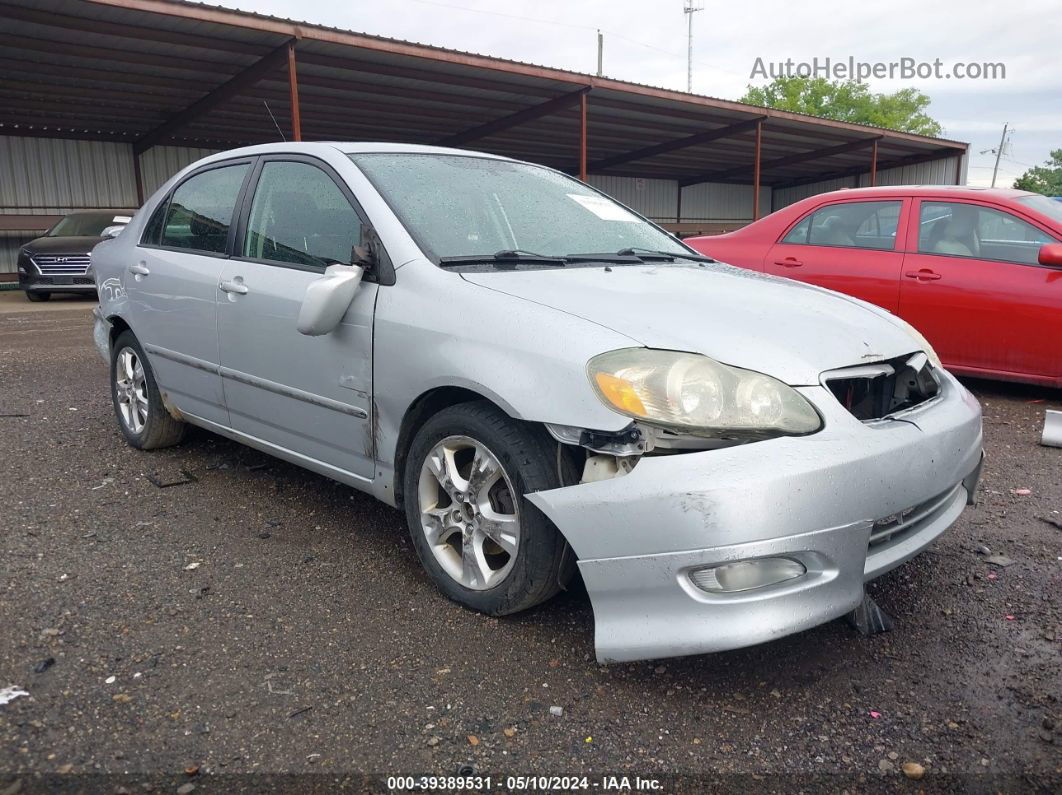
{"x": 36, "y": 295}
{"x": 144, "y": 421}
{"x": 485, "y": 546}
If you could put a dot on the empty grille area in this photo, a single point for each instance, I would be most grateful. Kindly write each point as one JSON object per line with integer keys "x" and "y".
{"x": 874, "y": 391}
{"x": 64, "y": 265}
{"x": 910, "y": 520}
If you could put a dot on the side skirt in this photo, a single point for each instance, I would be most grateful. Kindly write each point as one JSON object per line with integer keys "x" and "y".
{"x": 358, "y": 482}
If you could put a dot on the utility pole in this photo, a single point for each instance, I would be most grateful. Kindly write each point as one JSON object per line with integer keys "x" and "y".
{"x": 689, "y": 10}
{"x": 1002, "y": 143}
{"x": 600, "y": 52}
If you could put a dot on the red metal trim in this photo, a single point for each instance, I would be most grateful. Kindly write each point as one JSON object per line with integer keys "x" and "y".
{"x": 293, "y": 87}
{"x": 756, "y": 173}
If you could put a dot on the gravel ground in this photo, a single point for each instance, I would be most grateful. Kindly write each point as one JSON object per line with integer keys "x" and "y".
{"x": 264, "y": 620}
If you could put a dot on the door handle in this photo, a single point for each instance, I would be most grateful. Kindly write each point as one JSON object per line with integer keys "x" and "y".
{"x": 139, "y": 269}
{"x": 789, "y": 262}
{"x": 923, "y": 275}
{"x": 235, "y": 286}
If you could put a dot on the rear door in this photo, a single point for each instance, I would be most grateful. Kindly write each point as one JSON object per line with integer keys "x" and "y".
{"x": 854, "y": 247}
{"x": 172, "y": 284}
{"x": 309, "y": 395}
{"x": 973, "y": 287}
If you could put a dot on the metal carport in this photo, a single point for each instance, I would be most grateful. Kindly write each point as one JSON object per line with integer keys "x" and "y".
{"x": 183, "y": 77}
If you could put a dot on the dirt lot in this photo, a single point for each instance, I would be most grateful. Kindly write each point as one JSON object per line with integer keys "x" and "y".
{"x": 263, "y": 620}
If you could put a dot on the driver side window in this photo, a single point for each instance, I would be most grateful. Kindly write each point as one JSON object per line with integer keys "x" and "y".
{"x": 300, "y": 216}
{"x": 959, "y": 229}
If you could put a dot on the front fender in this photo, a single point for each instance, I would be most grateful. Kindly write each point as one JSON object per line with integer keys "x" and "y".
{"x": 434, "y": 329}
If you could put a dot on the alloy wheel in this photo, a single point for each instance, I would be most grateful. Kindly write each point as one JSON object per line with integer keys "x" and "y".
{"x": 469, "y": 512}
{"x": 130, "y": 387}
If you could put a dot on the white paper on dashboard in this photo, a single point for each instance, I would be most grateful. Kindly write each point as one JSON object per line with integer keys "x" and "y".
{"x": 603, "y": 208}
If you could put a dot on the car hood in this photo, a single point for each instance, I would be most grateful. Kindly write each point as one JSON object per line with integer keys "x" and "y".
{"x": 789, "y": 330}
{"x": 62, "y": 245}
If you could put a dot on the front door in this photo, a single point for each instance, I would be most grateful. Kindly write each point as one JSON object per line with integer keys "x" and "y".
{"x": 851, "y": 247}
{"x": 172, "y": 284}
{"x": 308, "y": 395}
{"x": 973, "y": 287}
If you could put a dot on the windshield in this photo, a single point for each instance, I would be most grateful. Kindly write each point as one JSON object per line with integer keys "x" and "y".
{"x": 459, "y": 206}
{"x": 1052, "y": 208}
{"x": 86, "y": 224}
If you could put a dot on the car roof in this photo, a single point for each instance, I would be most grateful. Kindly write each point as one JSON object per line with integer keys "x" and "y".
{"x": 969, "y": 191}
{"x": 352, "y": 148}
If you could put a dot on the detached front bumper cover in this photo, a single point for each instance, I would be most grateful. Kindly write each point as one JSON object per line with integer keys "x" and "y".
{"x": 817, "y": 500}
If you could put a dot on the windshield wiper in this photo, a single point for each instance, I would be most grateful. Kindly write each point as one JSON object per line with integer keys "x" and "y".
{"x": 649, "y": 254}
{"x": 511, "y": 256}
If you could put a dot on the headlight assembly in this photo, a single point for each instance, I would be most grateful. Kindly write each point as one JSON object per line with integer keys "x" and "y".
{"x": 694, "y": 394}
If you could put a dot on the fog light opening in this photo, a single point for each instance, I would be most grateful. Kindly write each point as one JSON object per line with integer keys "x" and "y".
{"x": 746, "y": 575}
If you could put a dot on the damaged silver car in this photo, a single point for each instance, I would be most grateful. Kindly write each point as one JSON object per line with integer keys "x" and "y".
{"x": 544, "y": 382}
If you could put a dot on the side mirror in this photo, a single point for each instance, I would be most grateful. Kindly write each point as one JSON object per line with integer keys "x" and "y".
{"x": 112, "y": 231}
{"x": 1051, "y": 255}
{"x": 328, "y": 298}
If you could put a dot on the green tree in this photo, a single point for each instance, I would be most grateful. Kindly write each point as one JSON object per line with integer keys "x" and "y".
{"x": 1045, "y": 179}
{"x": 847, "y": 100}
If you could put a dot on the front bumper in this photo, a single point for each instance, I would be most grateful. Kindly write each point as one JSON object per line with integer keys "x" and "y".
{"x": 34, "y": 282}
{"x": 817, "y": 499}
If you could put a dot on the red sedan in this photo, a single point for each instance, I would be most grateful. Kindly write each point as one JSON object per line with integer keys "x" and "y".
{"x": 977, "y": 271}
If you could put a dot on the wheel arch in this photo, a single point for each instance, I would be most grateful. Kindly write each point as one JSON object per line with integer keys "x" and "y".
{"x": 425, "y": 406}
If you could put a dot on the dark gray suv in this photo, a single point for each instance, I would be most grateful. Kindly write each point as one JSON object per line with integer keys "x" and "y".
{"x": 58, "y": 261}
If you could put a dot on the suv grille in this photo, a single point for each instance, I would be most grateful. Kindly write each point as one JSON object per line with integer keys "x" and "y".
{"x": 62, "y": 265}
{"x": 874, "y": 391}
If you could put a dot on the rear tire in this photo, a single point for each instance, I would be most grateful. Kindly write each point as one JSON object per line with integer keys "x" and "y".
{"x": 36, "y": 295}
{"x": 518, "y": 557}
{"x": 142, "y": 418}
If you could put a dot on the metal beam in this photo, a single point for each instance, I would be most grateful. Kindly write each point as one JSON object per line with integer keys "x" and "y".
{"x": 582, "y": 137}
{"x": 293, "y": 87}
{"x": 874, "y": 164}
{"x": 788, "y": 160}
{"x": 234, "y": 85}
{"x": 515, "y": 119}
{"x": 756, "y": 166}
{"x": 680, "y": 143}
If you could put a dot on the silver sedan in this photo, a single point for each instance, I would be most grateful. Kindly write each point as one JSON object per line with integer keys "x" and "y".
{"x": 544, "y": 381}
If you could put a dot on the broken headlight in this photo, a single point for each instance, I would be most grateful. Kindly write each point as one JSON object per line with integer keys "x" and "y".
{"x": 698, "y": 395}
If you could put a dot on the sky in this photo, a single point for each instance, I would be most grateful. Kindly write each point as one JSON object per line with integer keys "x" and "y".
{"x": 645, "y": 41}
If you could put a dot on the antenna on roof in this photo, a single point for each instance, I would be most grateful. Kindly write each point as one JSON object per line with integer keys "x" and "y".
{"x": 274, "y": 118}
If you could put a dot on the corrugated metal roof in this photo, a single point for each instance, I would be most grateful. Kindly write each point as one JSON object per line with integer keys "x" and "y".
{"x": 119, "y": 69}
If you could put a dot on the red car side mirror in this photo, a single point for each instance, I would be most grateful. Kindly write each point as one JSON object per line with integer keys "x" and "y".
{"x": 1051, "y": 255}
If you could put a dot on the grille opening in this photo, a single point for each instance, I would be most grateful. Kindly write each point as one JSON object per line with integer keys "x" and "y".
{"x": 875, "y": 391}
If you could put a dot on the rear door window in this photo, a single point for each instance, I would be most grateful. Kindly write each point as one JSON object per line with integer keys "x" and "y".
{"x": 200, "y": 211}
{"x": 850, "y": 225}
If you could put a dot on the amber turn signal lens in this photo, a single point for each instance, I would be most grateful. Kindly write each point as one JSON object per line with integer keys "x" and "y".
{"x": 620, "y": 393}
